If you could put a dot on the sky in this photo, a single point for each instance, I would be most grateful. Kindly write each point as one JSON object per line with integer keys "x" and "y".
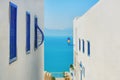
{"x": 59, "y": 15}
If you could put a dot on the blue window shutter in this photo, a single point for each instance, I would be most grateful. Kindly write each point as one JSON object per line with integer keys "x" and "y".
{"x": 27, "y": 31}
{"x": 35, "y": 40}
{"x": 88, "y": 42}
{"x": 83, "y": 49}
{"x": 13, "y": 32}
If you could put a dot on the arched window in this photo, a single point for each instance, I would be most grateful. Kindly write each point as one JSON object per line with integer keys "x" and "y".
{"x": 39, "y": 36}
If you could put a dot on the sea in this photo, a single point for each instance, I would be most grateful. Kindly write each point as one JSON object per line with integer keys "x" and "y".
{"x": 58, "y": 54}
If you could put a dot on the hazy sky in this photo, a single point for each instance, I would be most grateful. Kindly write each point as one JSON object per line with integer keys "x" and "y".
{"x": 59, "y": 15}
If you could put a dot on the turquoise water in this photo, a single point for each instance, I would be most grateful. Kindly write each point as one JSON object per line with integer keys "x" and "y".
{"x": 58, "y": 55}
{"x": 58, "y": 75}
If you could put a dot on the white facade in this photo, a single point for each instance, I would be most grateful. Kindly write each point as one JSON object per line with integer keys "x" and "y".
{"x": 101, "y": 26}
{"x": 27, "y": 66}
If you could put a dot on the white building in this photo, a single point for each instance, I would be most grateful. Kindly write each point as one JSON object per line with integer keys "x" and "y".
{"x": 97, "y": 42}
{"x": 20, "y": 58}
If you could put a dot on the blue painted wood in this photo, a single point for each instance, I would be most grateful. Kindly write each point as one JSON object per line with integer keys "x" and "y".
{"x": 27, "y": 31}
{"x": 83, "y": 46}
{"x": 88, "y": 42}
{"x": 35, "y": 30}
{"x": 13, "y": 32}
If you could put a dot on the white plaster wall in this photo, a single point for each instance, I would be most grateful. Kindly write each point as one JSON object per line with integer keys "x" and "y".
{"x": 101, "y": 26}
{"x": 27, "y": 66}
{"x": 76, "y": 50}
